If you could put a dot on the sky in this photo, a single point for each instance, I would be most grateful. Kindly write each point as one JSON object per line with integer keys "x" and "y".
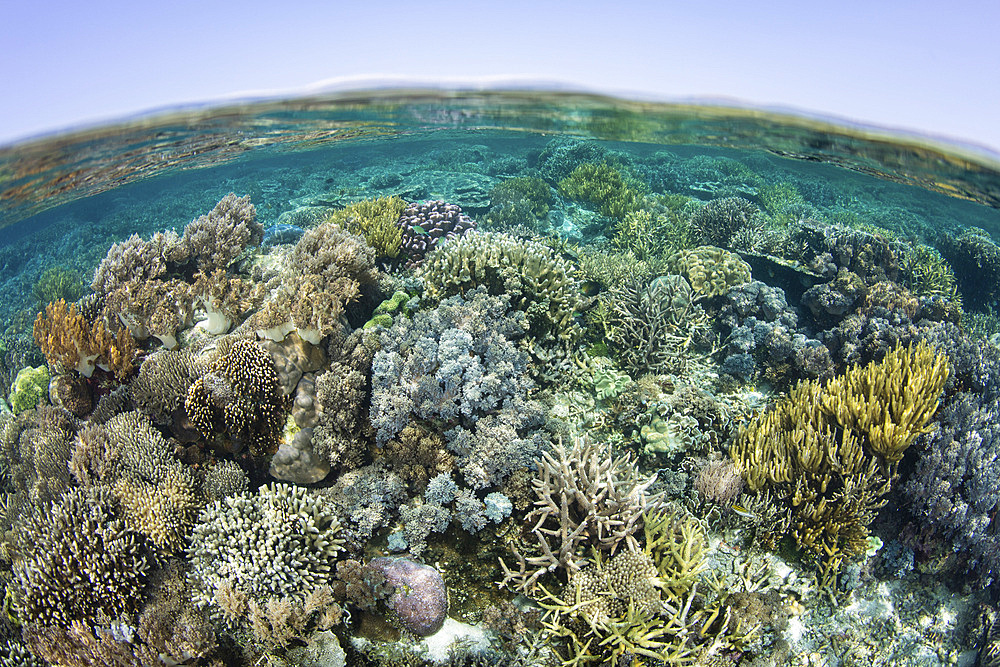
{"x": 928, "y": 67}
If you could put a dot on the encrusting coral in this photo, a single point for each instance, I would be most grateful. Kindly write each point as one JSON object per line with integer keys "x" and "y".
{"x": 830, "y": 451}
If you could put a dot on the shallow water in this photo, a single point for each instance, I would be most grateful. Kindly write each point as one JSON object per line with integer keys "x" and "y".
{"x": 858, "y": 242}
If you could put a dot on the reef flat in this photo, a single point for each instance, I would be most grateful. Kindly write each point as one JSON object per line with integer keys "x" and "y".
{"x": 495, "y": 401}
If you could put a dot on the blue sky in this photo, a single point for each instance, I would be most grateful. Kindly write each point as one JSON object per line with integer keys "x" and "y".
{"x": 928, "y": 67}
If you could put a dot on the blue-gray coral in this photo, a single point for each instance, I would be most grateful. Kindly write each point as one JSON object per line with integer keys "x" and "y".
{"x": 451, "y": 365}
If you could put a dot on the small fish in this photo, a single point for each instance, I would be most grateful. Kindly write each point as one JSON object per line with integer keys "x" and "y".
{"x": 739, "y": 510}
{"x": 591, "y": 288}
{"x": 418, "y": 229}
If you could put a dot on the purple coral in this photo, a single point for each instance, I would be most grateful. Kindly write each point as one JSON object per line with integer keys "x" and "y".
{"x": 415, "y": 592}
{"x": 425, "y": 225}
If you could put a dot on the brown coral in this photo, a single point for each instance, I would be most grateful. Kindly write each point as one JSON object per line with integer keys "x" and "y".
{"x": 712, "y": 271}
{"x": 69, "y": 341}
{"x": 240, "y": 399}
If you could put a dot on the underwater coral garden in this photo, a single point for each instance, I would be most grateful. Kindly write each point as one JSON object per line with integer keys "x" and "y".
{"x": 573, "y": 405}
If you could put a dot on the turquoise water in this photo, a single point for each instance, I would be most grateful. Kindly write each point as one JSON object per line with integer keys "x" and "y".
{"x": 644, "y": 285}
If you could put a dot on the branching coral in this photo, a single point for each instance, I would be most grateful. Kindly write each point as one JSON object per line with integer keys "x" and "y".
{"x": 830, "y": 451}
{"x": 651, "y": 327}
{"x": 718, "y": 221}
{"x": 519, "y": 201}
{"x": 69, "y": 341}
{"x": 613, "y": 193}
{"x": 79, "y": 561}
{"x": 375, "y": 220}
{"x": 585, "y": 498}
{"x": 277, "y": 543}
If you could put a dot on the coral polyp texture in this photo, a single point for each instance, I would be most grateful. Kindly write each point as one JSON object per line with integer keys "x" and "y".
{"x": 443, "y": 383}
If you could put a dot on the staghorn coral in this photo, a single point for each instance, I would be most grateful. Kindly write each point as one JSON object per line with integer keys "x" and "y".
{"x": 637, "y": 604}
{"x": 534, "y": 279}
{"x": 652, "y": 326}
{"x": 830, "y": 452}
{"x": 584, "y": 498}
{"x": 375, "y": 220}
{"x": 69, "y": 341}
{"x": 277, "y": 543}
{"x": 239, "y": 400}
{"x": 78, "y": 561}
{"x": 651, "y": 234}
{"x": 712, "y": 271}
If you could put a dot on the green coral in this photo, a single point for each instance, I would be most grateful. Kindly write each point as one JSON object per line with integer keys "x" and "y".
{"x": 29, "y": 387}
{"x": 650, "y": 234}
{"x": 670, "y": 433}
{"x": 711, "y": 271}
{"x": 534, "y": 279}
{"x": 521, "y": 200}
{"x": 57, "y": 283}
{"x": 609, "y": 382}
{"x": 605, "y": 187}
{"x": 382, "y": 317}
{"x": 828, "y": 453}
{"x": 375, "y": 220}
{"x": 927, "y": 273}
{"x": 637, "y": 607}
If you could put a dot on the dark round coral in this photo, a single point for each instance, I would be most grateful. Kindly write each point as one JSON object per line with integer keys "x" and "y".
{"x": 416, "y": 593}
{"x": 425, "y": 225}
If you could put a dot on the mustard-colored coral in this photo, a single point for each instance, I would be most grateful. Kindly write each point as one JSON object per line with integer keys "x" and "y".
{"x": 375, "y": 220}
{"x": 712, "y": 271}
{"x": 69, "y": 341}
{"x": 829, "y": 452}
{"x": 602, "y": 185}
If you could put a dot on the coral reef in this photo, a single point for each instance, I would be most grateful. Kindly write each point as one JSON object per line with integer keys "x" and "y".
{"x": 519, "y": 201}
{"x": 976, "y": 260}
{"x": 30, "y": 386}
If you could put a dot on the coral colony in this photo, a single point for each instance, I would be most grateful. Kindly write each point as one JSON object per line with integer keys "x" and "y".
{"x": 583, "y": 407}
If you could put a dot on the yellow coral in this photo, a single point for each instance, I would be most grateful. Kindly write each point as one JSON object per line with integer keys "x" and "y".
{"x": 712, "y": 271}
{"x": 68, "y": 340}
{"x": 374, "y": 219}
{"x": 829, "y": 452}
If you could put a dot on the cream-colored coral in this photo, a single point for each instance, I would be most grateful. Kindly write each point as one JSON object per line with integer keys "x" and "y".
{"x": 712, "y": 271}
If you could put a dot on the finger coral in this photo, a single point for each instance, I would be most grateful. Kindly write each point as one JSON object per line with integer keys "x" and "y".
{"x": 69, "y": 341}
